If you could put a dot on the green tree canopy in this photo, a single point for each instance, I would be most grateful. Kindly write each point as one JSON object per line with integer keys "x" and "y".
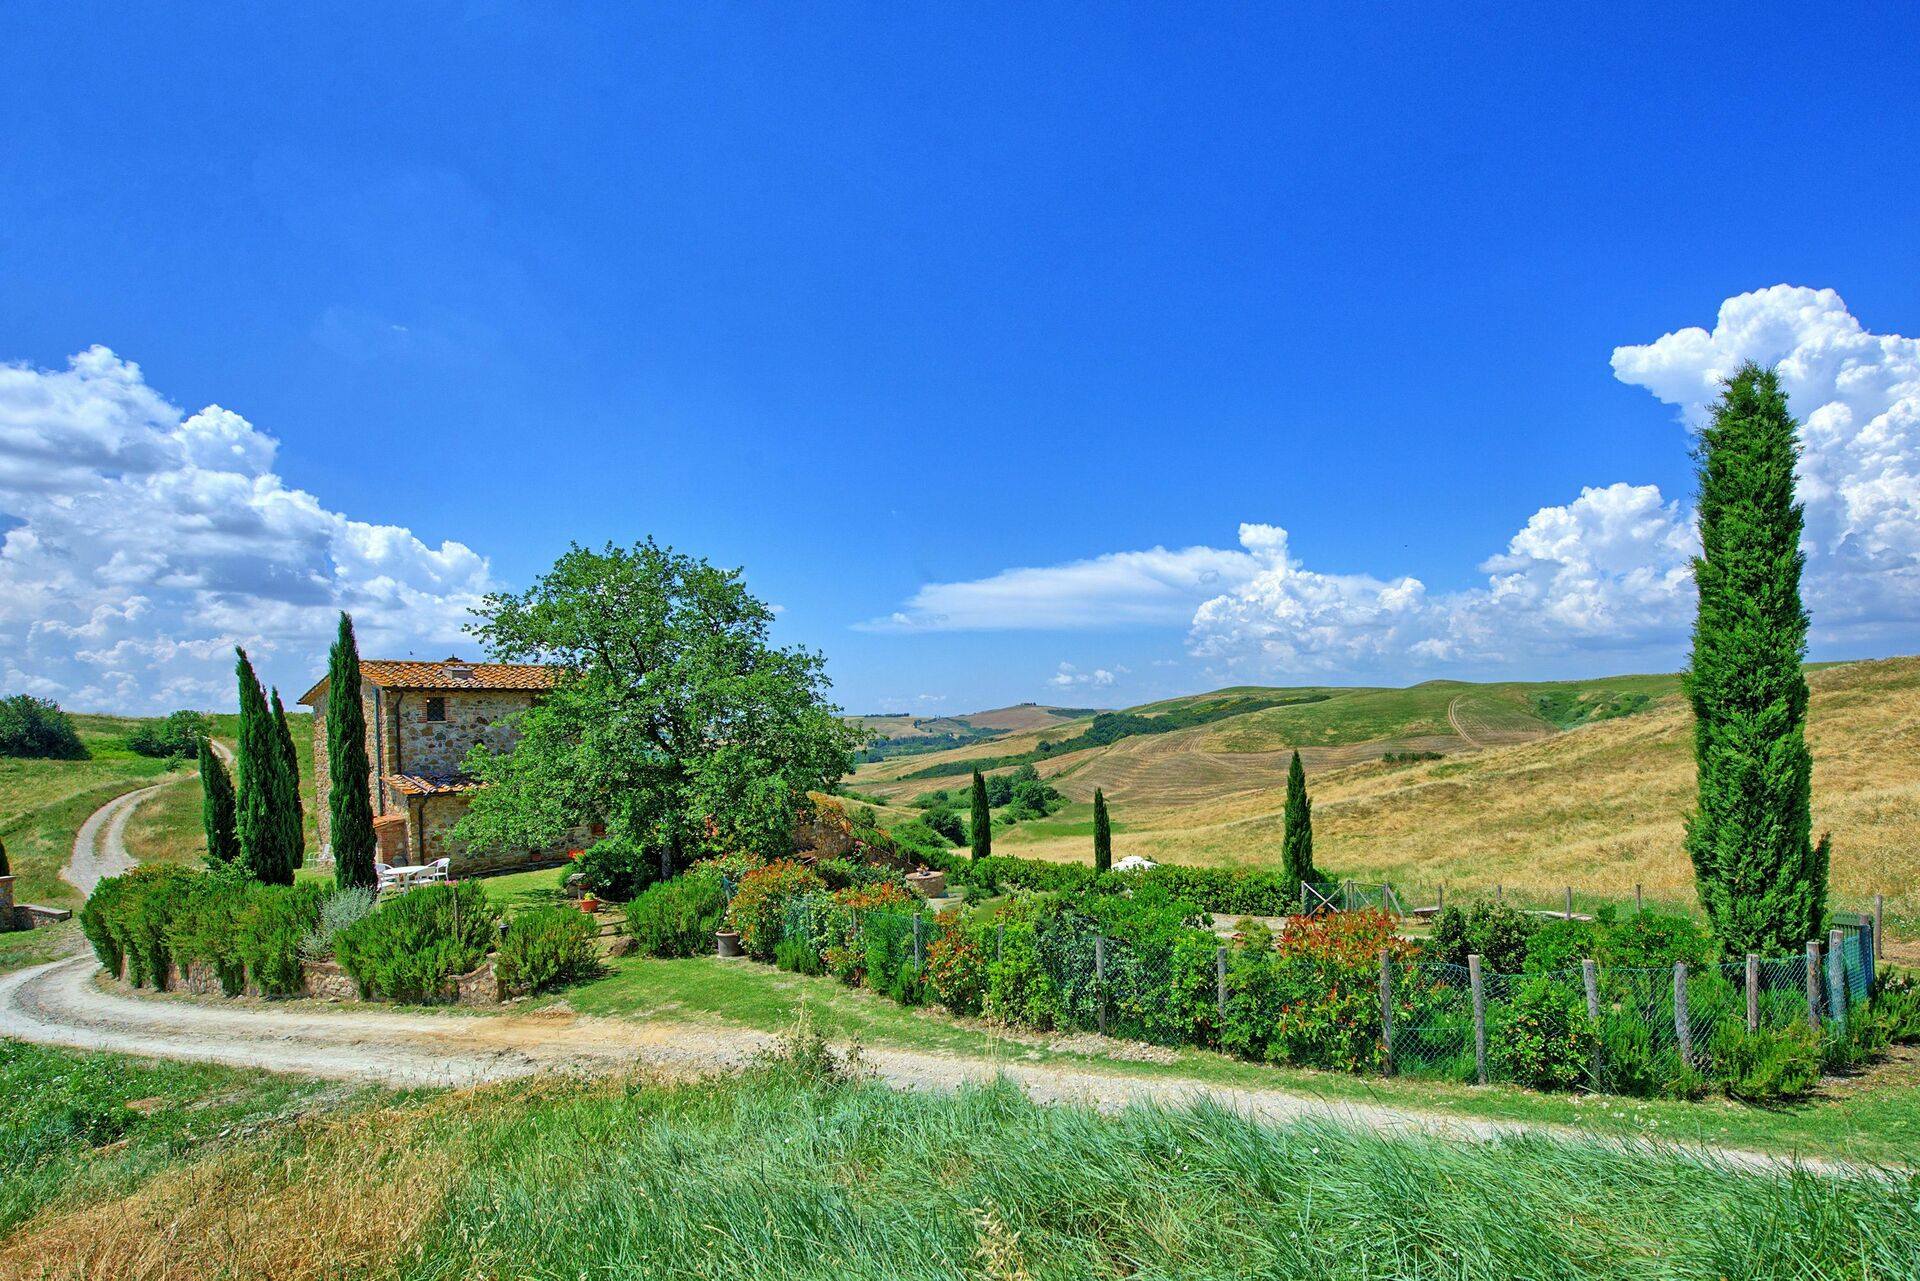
{"x": 675, "y": 719}
{"x": 980, "y": 826}
{"x": 1762, "y": 879}
{"x": 32, "y": 726}
{"x": 1102, "y": 834}
{"x": 1297, "y": 838}
{"x": 266, "y": 795}
{"x": 216, "y": 809}
{"x": 349, "y": 803}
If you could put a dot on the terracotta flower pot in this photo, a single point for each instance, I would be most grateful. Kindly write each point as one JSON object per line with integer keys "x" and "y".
{"x": 729, "y": 942}
{"x": 588, "y": 903}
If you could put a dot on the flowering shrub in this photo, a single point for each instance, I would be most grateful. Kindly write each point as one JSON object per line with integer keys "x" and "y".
{"x": 956, "y": 966}
{"x": 841, "y": 932}
{"x": 1314, "y": 999}
{"x": 759, "y": 906}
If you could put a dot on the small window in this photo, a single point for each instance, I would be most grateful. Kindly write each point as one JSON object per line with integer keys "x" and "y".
{"x": 436, "y": 709}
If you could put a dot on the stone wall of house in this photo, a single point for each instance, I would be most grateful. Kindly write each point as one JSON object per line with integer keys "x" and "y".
{"x": 438, "y": 814}
{"x": 473, "y": 716}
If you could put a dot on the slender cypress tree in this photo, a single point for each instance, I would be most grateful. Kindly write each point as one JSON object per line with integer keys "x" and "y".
{"x": 1762, "y": 879}
{"x": 349, "y": 808}
{"x": 1297, "y": 841}
{"x": 216, "y": 808}
{"x": 264, "y": 818}
{"x": 291, "y": 758}
{"x": 980, "y": 830}
{"x": 1102, "y": 834}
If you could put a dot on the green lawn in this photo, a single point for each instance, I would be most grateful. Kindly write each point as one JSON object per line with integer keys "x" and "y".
{"x": 43, "y": 803}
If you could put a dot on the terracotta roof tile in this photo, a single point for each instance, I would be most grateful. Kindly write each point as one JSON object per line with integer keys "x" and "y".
{"x": 433, "y": 784}
{"x": 451, "y": 675}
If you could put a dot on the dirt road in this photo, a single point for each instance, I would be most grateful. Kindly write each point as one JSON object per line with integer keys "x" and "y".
{"x": 68, "y": 1003}
{"x": 100, "y": 846}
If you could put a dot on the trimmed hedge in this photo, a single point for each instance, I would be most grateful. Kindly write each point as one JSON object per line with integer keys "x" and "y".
{"x": 1235, "y": 891}
{"x": 156, "y": 917}
{"x": 679, "y": 917}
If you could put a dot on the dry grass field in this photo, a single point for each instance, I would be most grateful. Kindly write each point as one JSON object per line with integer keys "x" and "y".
{"x": 1515, "y": 801}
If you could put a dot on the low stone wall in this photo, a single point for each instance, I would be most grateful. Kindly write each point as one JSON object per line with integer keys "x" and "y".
{"x": 327, "y": 981}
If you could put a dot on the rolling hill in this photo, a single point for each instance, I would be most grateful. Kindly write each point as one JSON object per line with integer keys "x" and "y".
{"x": 1539, "y": 785}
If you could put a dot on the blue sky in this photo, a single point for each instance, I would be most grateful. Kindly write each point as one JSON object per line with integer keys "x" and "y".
{"x": 880, "y": 300}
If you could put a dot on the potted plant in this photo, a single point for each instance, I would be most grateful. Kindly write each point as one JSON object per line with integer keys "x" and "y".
{"x": 588, "y": 903}
{"x": 728, "y": 942}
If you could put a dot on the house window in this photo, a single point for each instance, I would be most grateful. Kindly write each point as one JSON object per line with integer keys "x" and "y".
{"x": 436, "y": 709}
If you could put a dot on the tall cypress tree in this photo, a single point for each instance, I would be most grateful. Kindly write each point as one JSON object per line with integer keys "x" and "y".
{"x": 291, "y": 757}
{"x": 1297, "y": 841}
{"x": 349, "y": 808}
{"x": 1102, "y": 834}
{"x": 980, "y": 829}
{"x": 1762, "y": 879}
{"x": 265, "y": 821}
{"x": 216, "y": 808}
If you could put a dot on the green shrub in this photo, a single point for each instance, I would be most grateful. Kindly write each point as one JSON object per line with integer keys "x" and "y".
{"x": 1497, "y": 933}
{"x": 1896, "y": 1000}
{"x": 272, "y": 923}
{"x": 758, "y": 909}
{"x": 1540, "y": 1037}
{"x": 127, "y": 919}
{"x": 1652, "y": 940}
{"x": 35, "y": 727}
{"x": 337, "y": 911}
{"x": 206, "y": 930}
{"x": 410, "y": 947}
{"x": 616, "y": 869}
{"x": 679, "y": 917}
{"x": 1561, "y": 945}
{"x": 1770, "y": 1065}
{"x": 180, "y": 734}
{"x": 545, "y": 947}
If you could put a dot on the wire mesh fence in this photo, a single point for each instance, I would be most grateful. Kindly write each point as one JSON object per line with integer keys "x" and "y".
{"x": 1649, "y": 1030}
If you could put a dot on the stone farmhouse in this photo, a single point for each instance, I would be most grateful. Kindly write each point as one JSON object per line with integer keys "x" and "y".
{"x": 422, "y": 719}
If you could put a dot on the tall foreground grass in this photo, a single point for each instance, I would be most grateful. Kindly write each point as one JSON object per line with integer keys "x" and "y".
{"x": 777, "y": 1174}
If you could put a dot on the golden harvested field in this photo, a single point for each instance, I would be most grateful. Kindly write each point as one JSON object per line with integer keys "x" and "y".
{"x": 1598, "y": 807}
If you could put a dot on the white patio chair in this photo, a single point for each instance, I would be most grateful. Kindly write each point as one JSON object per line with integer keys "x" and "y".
{"x": 436, "y": 870}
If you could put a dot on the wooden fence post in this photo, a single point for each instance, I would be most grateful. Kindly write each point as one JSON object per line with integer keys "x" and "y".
{"x": 1499, "y": 895}
{"x": 1866, "y": 942}
{"x": 1637, "y": 909}
{"x": 1590, "y": 976}
{"x": 1569, "y": 915}
{"x": 1440, "y": 904}
{"x": 1837, "y": 981}
{"x": 1682, "y": 1023}
{"x": 1753, "y": 992}
{"x": 1879, "y": 938}
{"x": 1479, "y": 1017}
{"x": 919, "y": 942}
{"x": 1386, "y": 1008}
{"x": 1220, "y": 983}
{"x": 1813, "y": 984}
{"x": 1100, "y": 978}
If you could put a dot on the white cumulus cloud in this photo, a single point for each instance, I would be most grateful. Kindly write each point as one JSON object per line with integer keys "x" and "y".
{"x": 1068, "y": 676}
{"x": 1609, "y": 571}
{"x": 141, "y": 544}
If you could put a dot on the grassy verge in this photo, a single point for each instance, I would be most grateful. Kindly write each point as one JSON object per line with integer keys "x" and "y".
{"x": 45, "y": 802}
{"x": 1874, "y": 1117}
{"x": 22, "y": 948}
{"x": 789, "y": 1172}
{"x": 77, "y": 1128}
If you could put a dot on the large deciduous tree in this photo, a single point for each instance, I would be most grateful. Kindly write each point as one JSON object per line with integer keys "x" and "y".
{"x": 675, "y": 719}
{"x": 1762, "y": 879}
{"x": 1102, "y": 834}
{"x": 980, "y": 824}
{"x": 216, "y": 808}
{"x": 349, "y": 804}
{"x": 1296, "y": 842}
{"x": 266, "y": 799}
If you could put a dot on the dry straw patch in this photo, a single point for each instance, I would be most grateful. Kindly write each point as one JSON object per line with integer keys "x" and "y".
{"x": 337, "y": 1195}
{"x": 1600, "y": 807}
